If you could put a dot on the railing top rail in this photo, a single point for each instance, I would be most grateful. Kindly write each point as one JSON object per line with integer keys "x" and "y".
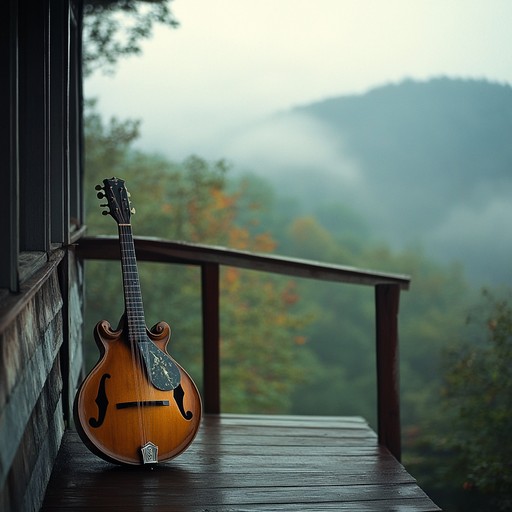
{"x": 160, "y": 250}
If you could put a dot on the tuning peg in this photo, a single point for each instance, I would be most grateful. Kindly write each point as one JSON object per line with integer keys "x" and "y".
{"x": 104, "y": 212}
{"x": 104, "y": 205}
{"x": 98, "y": 187}
{"x": 100, "y": 195}
{"x": 132, "y": 211}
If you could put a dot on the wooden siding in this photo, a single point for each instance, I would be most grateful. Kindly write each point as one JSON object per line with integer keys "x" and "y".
{"x": 72, "y": 353}
{"x": 40, "y": 279}
{"x": 32, "y": 373}
{"x": 247, "y": 463}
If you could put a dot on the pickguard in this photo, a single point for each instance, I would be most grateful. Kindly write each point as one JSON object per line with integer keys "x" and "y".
{"x": 162, "y": 371}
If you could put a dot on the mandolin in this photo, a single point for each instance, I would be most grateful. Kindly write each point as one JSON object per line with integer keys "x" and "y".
{"x": 137, "y": 405}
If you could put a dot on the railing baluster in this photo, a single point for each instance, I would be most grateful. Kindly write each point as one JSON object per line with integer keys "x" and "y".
{"x": 387, "y": 297}
{"x": 211, "y": 337}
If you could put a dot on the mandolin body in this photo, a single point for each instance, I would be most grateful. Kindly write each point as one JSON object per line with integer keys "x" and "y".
{"x": 119, "y": 413}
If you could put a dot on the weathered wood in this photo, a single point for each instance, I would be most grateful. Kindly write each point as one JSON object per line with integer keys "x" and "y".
{"x": 31, "y": 420}
{"x": 153, "y": 249}
{"x": 229, "y": 468}
{"x": 71, "y": 278}
{"x": 211, "y": 337}
{"x": 388, "y": 364}
{"x": 29, "y": 346}
{"x": 25, "y": 392}
{"x": 31, "y": 466}
{"x": 13, "y": 304}
{"x": 36, "y": 90}
{"x": 30, "y": 262}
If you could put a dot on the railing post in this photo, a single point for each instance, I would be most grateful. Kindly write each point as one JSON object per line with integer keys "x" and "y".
{"x": 211, "y": 337}
{"x": 387, "y": 297}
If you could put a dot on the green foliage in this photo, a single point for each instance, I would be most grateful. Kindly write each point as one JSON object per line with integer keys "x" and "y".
{"x": 342, "y": 334}
{"x": 432, "y": 315}
{"x": 114, "y": 29}
{"x": 262, "y": 343}
{"x": 478, "y": 394}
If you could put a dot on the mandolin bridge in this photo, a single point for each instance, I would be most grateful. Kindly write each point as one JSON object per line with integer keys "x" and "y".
{"x": 143, "y": 403}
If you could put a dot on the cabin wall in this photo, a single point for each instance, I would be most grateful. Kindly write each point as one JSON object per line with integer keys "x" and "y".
{"x": 40, "y": 361}
{"x": 41, "y": 168}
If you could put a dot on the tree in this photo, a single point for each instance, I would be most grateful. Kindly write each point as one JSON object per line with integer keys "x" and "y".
{"x": 478, "y": 394}
{"x": 342, "y": 333}
{"x": 115, "y": 28}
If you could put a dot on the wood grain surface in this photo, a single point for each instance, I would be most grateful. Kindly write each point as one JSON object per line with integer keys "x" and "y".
{"x": 246, "y": 463}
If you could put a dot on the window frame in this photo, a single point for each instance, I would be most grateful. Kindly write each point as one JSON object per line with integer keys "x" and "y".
{"x": 41, "y": 137}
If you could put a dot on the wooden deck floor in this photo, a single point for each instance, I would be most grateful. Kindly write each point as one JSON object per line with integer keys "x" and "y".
{"x": 246, "y": 463}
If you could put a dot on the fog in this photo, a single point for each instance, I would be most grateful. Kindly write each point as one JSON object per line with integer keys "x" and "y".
{"x": 453, "y": 219}
{"x": 225, "y": 85}
{"x": 232, "y": 63}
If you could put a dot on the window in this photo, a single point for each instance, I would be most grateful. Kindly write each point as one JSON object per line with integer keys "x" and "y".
{"x": 40, "y": 133}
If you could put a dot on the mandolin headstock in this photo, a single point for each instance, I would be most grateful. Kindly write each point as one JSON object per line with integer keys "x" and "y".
{"x": 118, "y": 200}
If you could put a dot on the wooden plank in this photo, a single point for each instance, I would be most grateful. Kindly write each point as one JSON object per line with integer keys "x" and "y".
{"x": 266, "y": 420}
{"x": 217, "y": 474}
{"x": 12, "y": 305}
{"x": 31, "y": 464}
{"x": 36, "y": 313}
{"x": 210, "y": 296}
{"x": 300, "y": 436}
{"x": 153, "y": 249}
{"x": 71, "y": 277}
{"x": 416, "y": 505}
{"x": 30, "y": 262}
{"x": 388, "y": 367}
{"x": 133, "y": 497}
{"x": 47, "y": 450}
{"x": 27, "y": 354}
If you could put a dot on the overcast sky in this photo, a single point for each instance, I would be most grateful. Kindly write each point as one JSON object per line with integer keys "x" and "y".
{"x": 233, "y": 62}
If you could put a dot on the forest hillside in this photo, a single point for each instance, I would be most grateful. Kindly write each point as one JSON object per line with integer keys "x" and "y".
{"x": 423, "y": 164}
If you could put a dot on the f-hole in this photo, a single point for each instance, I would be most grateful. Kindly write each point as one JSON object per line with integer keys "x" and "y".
{"x": 178, "y": 398}
{"x": 101, "y": 402}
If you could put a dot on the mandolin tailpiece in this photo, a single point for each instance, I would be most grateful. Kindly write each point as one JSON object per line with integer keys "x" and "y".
{"x": 149, "y": 453}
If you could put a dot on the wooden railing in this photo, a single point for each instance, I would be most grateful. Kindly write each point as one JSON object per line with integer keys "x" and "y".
{"x": 209, "y": 259}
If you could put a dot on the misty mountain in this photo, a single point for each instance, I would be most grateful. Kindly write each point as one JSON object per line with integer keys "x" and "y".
{"x": 423, "y": 163}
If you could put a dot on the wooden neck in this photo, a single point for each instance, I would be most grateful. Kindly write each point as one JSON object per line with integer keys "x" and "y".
{"x": 131, "y": 285}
